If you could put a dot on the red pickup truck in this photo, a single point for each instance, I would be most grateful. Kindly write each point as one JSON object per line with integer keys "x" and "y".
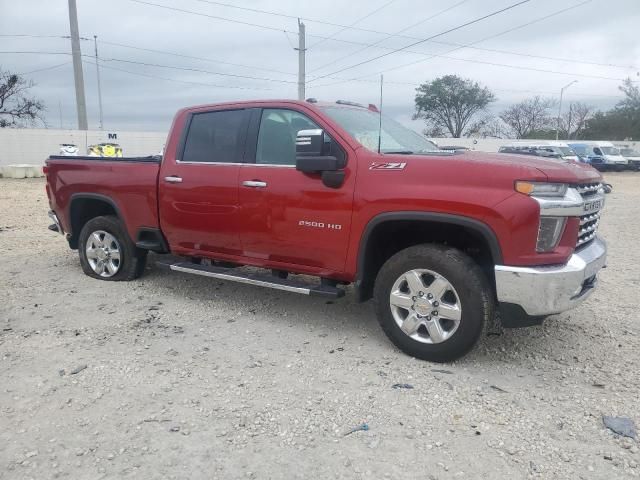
{"x": 441, "y": 240}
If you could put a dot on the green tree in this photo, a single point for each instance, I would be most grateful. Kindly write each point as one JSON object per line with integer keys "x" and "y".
{"x": 450, "y": 103}
{"x": 16, "y": 107}
{"x": 621, "y": 123}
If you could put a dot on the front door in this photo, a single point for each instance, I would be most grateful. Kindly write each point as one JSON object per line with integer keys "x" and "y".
{"x": 198, "y": 185}
{"x": 288, "y": 216}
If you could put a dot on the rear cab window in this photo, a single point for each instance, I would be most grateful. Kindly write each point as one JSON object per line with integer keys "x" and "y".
{"x": 215, "y": 137}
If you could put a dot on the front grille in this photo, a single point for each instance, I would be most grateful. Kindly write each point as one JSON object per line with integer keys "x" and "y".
{"x": 588, "y": 189}
{"x": 589, "y": 222}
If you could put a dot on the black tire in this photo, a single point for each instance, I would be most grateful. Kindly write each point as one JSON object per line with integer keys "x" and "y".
{"x": 463, "y": 274}
{"x": 132, "y": 259}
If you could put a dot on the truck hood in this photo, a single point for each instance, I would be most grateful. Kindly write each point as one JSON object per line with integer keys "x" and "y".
{"x": 555, "y": 170}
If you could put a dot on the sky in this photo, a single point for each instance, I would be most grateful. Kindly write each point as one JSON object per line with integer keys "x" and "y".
{"x": 171, "y": 53}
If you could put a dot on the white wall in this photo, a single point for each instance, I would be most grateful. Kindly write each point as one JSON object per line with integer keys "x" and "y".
{"x": 34, "y": 145}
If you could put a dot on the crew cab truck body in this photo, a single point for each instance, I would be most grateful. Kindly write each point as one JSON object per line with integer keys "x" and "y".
{"x": 440, "y": 240}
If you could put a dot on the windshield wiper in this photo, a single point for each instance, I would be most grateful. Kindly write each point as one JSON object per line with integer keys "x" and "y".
{"x": 399, "y": 152}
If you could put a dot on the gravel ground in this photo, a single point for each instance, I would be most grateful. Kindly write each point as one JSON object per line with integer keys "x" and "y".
{"x": 175, "y": 376}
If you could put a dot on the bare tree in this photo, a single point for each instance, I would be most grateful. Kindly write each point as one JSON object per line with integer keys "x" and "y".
{"x": 528, "y": 116}
{"x": 16, "y": 107}
{"x": 574, "y": 119}
{"x": 488, "y": 127}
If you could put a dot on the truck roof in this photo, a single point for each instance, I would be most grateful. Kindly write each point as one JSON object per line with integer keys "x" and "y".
{"x": 307, "y": 103}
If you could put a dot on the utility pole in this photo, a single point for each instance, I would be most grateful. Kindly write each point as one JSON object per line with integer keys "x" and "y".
{"x": 302, "y": 51}
{"x": 81, "y": 104}
{"x": 95, "y": 46}
{"x": 560, "y": 106}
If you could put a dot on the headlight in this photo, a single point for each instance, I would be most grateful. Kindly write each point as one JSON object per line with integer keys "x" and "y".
{"x": 549, "y": 233}
{"x": 536, "y": 189}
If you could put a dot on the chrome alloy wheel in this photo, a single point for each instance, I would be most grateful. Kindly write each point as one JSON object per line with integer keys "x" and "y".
{"x": 425, "y": 306}
{"x": 103, "y": 253}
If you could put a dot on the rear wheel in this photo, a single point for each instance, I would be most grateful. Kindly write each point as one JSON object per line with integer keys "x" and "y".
{"x": 432, "y": 301}
{"x": 107, "y": 252}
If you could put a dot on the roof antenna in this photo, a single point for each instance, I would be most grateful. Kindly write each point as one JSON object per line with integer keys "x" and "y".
{"x": 380, "y": 115}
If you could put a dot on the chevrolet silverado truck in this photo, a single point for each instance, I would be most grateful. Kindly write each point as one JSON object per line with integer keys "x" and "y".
{"x": 443, "y": 241}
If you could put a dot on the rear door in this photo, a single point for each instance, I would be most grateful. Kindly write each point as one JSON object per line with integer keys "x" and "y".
{"x": 289, "y": 216}
{"x": 198, "y": 184}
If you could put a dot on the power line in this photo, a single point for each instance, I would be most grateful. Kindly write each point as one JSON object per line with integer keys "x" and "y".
{"x": 190, "y": 69}
{"x": 211, "y": 60}
{"x": 370, "y": 14}
{"x": 429, "y": 56}
{"x": 265, "y": 79}
{"x": 140, "y": 74}
{"x": 471, "y": 22}
{"x": 44, "y": 69}
{"x": 499, "y": 34}
{"x": 390, "y": 35}
{"x": 215, "y": 17}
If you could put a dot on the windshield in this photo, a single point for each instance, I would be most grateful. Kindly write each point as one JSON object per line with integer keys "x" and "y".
{"x": 610, "y": 151}
{"x": 580, "y": 149}
{"x": 566, "y": 151}
{"x": 363, "y": 126}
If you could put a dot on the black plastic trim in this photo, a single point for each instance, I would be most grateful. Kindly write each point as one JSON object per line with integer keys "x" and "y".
{"x": 157, "y": 243}
{"x": 73, "y": 236}
{"x": 514, "y": 316}
{"x": 149, "y": 159}
{"x": 446, "y": 218}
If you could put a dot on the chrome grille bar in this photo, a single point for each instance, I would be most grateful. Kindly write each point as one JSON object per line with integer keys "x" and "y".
{"x": 588, "y": 223}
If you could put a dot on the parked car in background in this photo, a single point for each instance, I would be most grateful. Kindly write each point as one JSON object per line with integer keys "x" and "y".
{"x": 561, "y": 147}
{"x": 632, "y": 156}
{"x": 529, "y": 150}
{"x": 542, "y": 149}
{"x": 602, "y": 155}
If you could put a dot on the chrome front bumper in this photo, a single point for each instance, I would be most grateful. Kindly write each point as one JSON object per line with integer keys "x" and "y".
{"x": 552, "y": 289}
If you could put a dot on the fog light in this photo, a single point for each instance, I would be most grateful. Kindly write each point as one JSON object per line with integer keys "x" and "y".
{"x": 549, "y": 233}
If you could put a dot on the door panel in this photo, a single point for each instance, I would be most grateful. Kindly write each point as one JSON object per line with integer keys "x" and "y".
{"x": 198, "y": 184}
{"x": 289, "y": 216}
{"x": 200, "y": 214}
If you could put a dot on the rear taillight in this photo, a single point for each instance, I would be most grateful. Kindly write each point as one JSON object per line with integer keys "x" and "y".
{"x": 45, "y": 169}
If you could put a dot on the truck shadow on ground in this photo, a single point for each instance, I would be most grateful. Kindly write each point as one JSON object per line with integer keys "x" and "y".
{"x": 347, "y": 318}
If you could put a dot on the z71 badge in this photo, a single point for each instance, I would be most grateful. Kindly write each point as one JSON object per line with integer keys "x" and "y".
{"x": 387, "y": 165}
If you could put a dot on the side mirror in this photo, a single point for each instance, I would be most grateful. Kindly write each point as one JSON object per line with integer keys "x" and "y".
{"x": 314, "y": 156}
{"x": 310, "y": 143}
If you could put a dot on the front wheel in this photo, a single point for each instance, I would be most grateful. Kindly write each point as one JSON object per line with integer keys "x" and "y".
{"x": 107, "y": 252}
{"x": 432, "y": 301}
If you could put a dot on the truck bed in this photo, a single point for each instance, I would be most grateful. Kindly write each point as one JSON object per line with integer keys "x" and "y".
{"x": 130, "y": 184}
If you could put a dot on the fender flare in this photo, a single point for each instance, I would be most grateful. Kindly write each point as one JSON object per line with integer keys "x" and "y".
{"x": 477, "y": 226}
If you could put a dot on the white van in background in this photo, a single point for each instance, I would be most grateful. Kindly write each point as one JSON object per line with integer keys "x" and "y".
{"x": 605, "y": 156}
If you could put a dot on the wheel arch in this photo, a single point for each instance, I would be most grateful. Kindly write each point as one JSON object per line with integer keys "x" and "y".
{"x": 85, "y": 206}
{"x": 425, "y": 227}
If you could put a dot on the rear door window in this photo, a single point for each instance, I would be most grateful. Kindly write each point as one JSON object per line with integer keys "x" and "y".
{"x": 216, "y": 137}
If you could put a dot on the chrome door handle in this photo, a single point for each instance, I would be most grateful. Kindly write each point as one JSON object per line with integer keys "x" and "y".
{"x": 254, "y": 183}
{"x": 173, "y": 179}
